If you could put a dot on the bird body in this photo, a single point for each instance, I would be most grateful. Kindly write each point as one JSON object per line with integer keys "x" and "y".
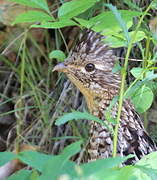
{"x": 90, "y": 67}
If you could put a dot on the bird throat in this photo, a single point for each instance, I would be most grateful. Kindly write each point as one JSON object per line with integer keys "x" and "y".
{"x": 97, "y": 102}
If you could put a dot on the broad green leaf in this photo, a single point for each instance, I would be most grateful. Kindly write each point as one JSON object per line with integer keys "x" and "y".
{"x": 150, "y": 75}
{"x": 139, "y": 36}
{"x": 143, "y": 172}
{"x": 152, "y": 85}
{"x": 137, "y": 72}
{"x": 107, "y": 23}
{"x": 72, "y": 149}
{"x": 118, "y": 40}
{"x": 132, "y": 173}
{"x": 83, "y": 22}
{"x": 149, "y": 161}
{"x": 33, "y": 16}
{"x": 41, "y": 4}
{"x": 148, "y": 165}
{"x": 59, "y": 168}
{"x": 144, "y": 74}
{"x": 74, "y": 8}
{"x": 120, "y": 20}
{"x": 61, "y": 162}
{"x": 76, "y": 115}
{"x": 131, "y": 91}
{"x": 142, "y": 98}
{"x": 55, "y": 25}
{"x": 20, "y": 175}
{"x": 6, "y": 157}
{"x": 154, "y": 5}
{"x": 107, "y": 174}
{"x": 57, "y": 54}
{"x": 34, "y": 159}
{"x": 115, "y": 42}
{"x": 100, "y": 164}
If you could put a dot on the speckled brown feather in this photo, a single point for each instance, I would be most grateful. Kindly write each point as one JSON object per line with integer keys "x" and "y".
{"x": 99, "y": 88}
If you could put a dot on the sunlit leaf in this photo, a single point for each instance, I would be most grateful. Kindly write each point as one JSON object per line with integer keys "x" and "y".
{"x": 20, "y": 175}
{"x": 148, "y": 165}
{"x": 42, "y": 4}
{"x": 61, "y": 163}
{"x": 103, "y": 164}
{"x": 33, "y": 16}
{"x": 142, "y": 98}
{"x": 120, "y": 20}
{"x": 74, "y": 8}
{"x": 34, "y": 159}
{"x": 57, "y": 54}
{"x": 76, "y": 115}
{"x": 107, "y": 24}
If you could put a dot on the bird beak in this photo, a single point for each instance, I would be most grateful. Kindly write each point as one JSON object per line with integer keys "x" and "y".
{"x": 61, "y": 67}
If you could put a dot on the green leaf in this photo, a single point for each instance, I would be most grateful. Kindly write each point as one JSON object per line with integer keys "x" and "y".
{"x": 115, "y": 42}
{"x": 55, "y": 25}
{"x": 76, "y": 115}
{"x": 118, "y": 40}
{"x": 131, "y": 173}
{"x": 120, "y": 20}
{"x": 34, "y": 159}
{"x": 107, "y": 174}
{"x": 144, "y": 74}
{"x": 57, "y": 54}
{"x": 59, "y": 168}
{"x": 6, "y": 157}
{"x": 61, "y": 163}
{"x": 110, "y": 25}
{"x": 41, "y": 4}
{"x": 20, "y": 175}
{"x": 137, "y": 72}
{"x": 148, "y": 161}
{"x": 74, "y": 8}
{"x": 145, "y": 173}
{"x": 102, "y": 164}
{"x": 83, "y": 22}
{"x": 116, "y": 37}
{"x": 154, "y": 5}
{"x": 142, "y": 98}
{"x": 72, "y": 149}
{"x": 33, "y": 16}
{"x": 148, "y": 165}
{"x": 139, "y": 36}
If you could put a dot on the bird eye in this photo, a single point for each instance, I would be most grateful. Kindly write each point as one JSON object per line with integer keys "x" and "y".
{"x": 90, "y": 67}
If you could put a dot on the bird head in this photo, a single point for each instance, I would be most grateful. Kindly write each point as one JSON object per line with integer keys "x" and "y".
{"x": 89, "y": 66}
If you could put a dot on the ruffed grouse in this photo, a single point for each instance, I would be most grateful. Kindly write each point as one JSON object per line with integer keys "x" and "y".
{"x": 89, "y": 67}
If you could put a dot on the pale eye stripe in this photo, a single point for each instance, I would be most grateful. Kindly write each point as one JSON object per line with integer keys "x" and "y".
{"x": 99, "y": 66}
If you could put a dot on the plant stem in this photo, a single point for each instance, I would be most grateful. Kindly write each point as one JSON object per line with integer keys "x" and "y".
{"x": 124, "y": 71}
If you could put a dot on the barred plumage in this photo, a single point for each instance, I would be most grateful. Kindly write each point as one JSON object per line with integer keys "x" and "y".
{"x": 89, "y": 67}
